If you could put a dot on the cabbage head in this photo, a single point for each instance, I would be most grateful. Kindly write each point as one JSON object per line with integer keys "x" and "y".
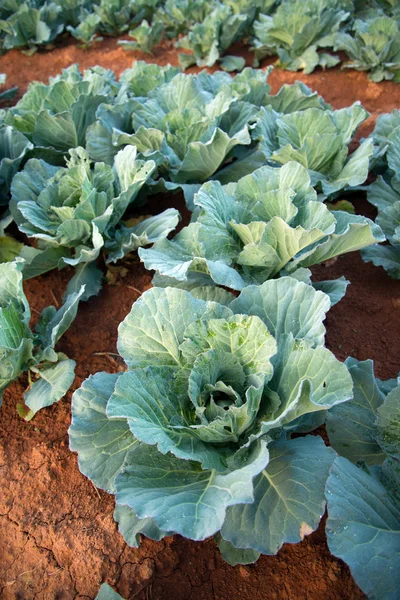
{"x": 270, "y": 223}
{"x": 195, "y": 437}
{"x": 74, "y": 212}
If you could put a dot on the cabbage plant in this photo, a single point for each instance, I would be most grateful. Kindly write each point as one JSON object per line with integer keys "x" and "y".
{"x": 373, "y": 44}
{"x": 384, "y": 193}
{"x": 30, "y": 24}
{"x": 6, "y": 94}
{"x": 319, "y": 139}
{"x": 13, "y": 148}
{"x": 296, "y": 30}
{"x": 189, "y": 125}
{"x": 33, "y": 23}
{"x": 146, "y": 37}
{"x": 270, "y": 223}
{"x": 226, "y": 23}
{"x": 86, "y": 31}
{"x": 50, "y": 373}
{"x": 362, "y": 490}
{"x": 56, "y": 116}
{"x": 195, "y": 437}
{"x": 75, "y": 212}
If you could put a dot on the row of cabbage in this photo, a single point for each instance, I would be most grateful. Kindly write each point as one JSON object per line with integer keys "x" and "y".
{"x": 297, "y": 31}
{"x": 200, "y": 436}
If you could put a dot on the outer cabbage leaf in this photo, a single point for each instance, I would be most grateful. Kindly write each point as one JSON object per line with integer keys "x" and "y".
{"x": 9, "y": 248}
{"x": 13, "y": 147}
{"x": 107, "y": 593}
{"x": 352, "y": 426}
{"x": 147, "y": 231}
{"x": 180, "y": 495}
{"x": 384, "y": 193}
{"x": 235, "y": 556}
{"x": 292, "y": 484}
{"x": 53, "y": 383}
{"x": 6, "y": 94}
{"x": 363, "y": 502}
{"x": 130, "y": 526}
{"x": 101, "y": 443}
{"x": 363, "y": 527}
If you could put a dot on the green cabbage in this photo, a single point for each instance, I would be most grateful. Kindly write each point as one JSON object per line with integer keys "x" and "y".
{"x": 297, "y": 30}
{"x": 195, "y": 437}
{"x": 384, "y": 193}
{"x": 271, "y": 222}
{"x": 75, "y": 212}
{"x": 50, "y": 373}
{"x": 318, "y": 138}
{"x": 373, "y": 44}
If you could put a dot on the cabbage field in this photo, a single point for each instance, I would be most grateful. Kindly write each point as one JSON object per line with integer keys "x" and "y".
{"x": 199, "y": 299}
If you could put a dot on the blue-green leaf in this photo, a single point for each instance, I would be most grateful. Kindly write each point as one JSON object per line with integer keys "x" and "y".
{"x": 286, "y": 306}
{"x": 351, "y": 426}
{"x": 179, "y": 495}
{"x": 101, "y": 443}
{"x": 363, "y": 528}
{"x": 289, "y": 497}
{"x": 130, "y": 526}
{"x": 52, "y": 384}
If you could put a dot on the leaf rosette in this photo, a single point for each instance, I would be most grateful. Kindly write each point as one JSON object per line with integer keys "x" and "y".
{"x": 75, "y": 211}
{"x": 50, "y": 373}
{"x": 373, "y": 44}
{"x": 318, "y": 138}
{"x": 55, "y": 116}
{"x": 269, "y": 223}
{"x": 296, "y": 30}
{"x": 384, "y": 193}
{"x": 213, "y": 390}
{"x": 187, "y": 124}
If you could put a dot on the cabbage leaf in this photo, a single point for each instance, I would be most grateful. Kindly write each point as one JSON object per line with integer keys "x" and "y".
{"x": 362, "y": 490}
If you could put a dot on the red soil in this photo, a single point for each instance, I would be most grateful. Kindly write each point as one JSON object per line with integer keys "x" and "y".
{"x": 58, "y": 539}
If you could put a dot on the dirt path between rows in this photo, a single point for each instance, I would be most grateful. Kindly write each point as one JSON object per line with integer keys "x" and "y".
{"x": 58, "y": 539}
